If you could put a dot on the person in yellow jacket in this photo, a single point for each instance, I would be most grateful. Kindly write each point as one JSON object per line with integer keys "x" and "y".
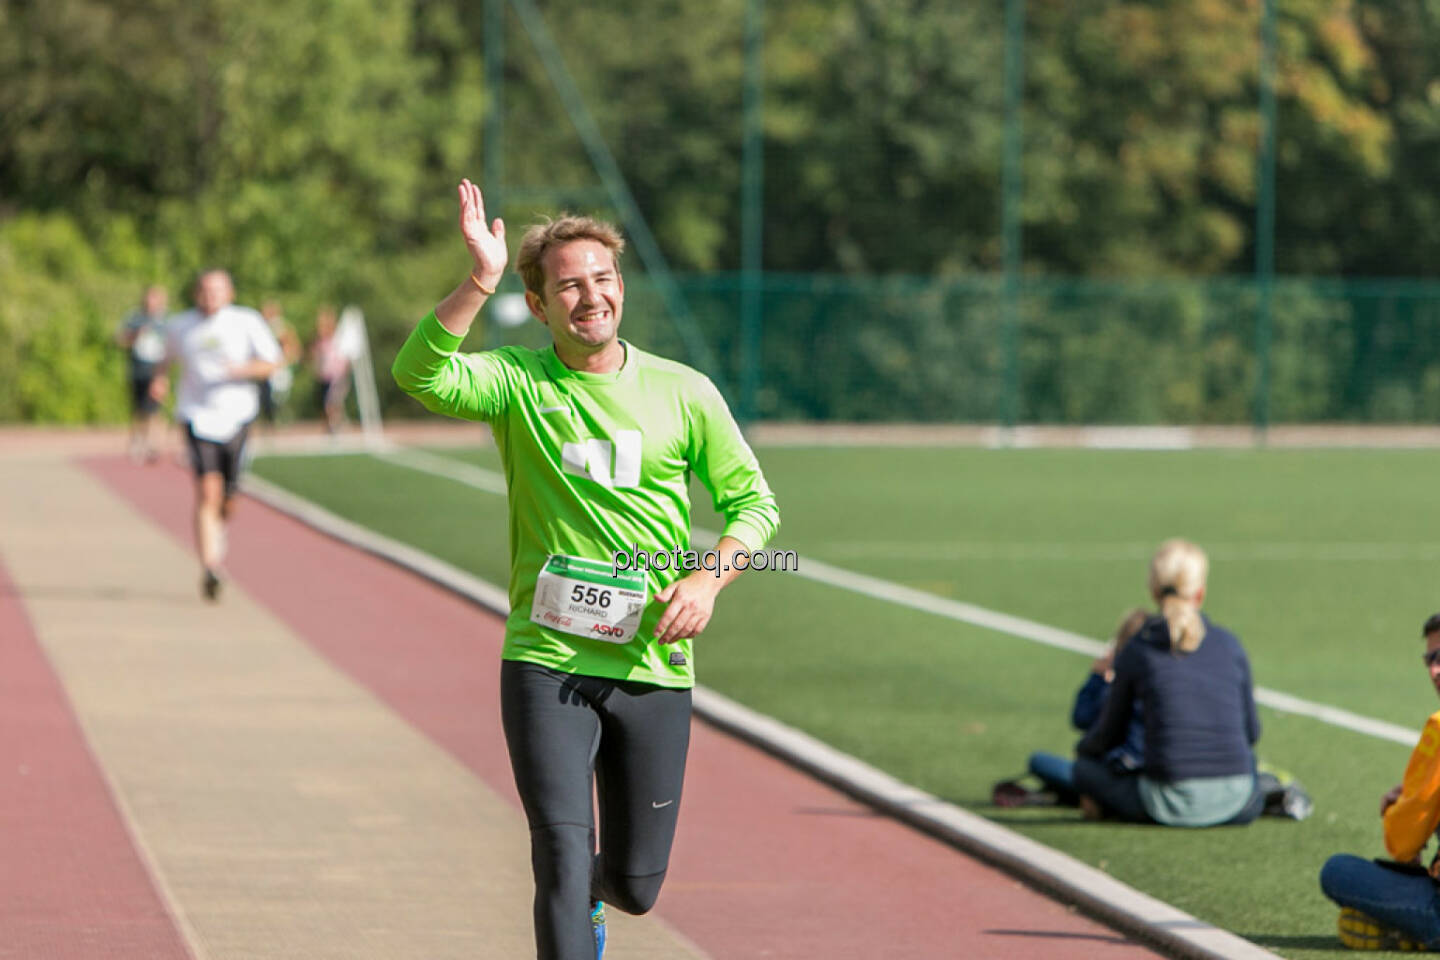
{"x": 1395, "y": 904}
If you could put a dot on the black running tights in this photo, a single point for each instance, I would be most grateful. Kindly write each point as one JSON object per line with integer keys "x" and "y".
{"x": 565, "y": 732}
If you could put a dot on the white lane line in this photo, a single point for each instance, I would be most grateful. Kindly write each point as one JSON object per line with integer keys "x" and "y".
{"x": 492, "y": 482}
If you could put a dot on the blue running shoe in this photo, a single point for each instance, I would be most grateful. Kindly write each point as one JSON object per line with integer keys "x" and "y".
{"x": 597, "y": 923}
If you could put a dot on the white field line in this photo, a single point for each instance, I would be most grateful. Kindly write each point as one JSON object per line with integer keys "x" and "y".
{"x": 1145, "y": 918}
{"x": 874, "y": 587}
{"x": 478, "y": 477}
{"x": 1065, "y": 640}
{"x": 1338, "y": 551}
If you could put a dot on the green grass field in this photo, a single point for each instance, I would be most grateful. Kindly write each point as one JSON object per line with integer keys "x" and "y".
{"x": 1323, "y": 562}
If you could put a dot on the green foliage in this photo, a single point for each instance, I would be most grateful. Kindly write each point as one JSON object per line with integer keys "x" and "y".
{"x": 1090, "y": 351}
{"x": 311, "y": 147}
{"x": 884, "y": 138}
{"x": 63, "y": 300}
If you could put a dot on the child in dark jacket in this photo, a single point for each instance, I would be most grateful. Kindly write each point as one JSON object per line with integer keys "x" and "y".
{"x": 1056, "y": 773}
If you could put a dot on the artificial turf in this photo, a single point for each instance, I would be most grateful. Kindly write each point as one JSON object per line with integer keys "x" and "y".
{"x": 1322, "y": 561}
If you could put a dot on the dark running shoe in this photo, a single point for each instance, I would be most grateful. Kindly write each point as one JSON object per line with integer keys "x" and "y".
{"x": 1013, "y": 793}
{"x": 1284, "y": 795}
{"x": 210, "y": 586}
{"x": 1295, "y": 803}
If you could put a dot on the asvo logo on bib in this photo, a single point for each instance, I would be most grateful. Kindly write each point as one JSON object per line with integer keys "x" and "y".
{"x": 584, "y": 598}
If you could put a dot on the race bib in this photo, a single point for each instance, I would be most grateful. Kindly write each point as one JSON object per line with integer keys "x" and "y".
{"x": 587, "y": 599}
{"x": 149, "y": 345}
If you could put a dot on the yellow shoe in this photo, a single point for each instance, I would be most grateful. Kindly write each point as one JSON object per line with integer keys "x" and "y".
{"x": 1361, "y": 932}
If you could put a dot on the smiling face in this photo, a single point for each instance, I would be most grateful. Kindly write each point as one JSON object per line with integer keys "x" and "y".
{"x": 584, "y": 297}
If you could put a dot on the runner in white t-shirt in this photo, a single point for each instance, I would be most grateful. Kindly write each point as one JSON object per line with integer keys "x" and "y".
{"x": 223, "y": 351}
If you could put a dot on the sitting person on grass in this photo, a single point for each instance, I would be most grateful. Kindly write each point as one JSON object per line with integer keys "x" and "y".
{"x": 1056, "y": 773}
{"x": 1395, "y": 904}
{"x": 1189, "y": 679}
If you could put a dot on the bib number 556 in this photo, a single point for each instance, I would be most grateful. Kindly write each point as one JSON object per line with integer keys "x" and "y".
{"x": 591, "y": 596}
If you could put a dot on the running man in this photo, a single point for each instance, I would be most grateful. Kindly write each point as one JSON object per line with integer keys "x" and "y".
{"x": 143, "y": 337}
{"x": 599, "y": 440}
{"x": 224, "y": 351}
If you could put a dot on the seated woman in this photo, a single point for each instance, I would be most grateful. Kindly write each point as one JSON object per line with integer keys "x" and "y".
{"x": 1190, "y": 679}
{"x": 1394, "y": 905}
{"x": 1058, "y": 773}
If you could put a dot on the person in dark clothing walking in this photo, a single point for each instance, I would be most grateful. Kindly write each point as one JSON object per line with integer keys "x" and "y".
{"x": 143, "y": 337}
{"x": 1191, "y": 680}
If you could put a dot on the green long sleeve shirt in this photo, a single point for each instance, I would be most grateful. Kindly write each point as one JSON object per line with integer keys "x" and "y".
{"x": 595, "y": 464}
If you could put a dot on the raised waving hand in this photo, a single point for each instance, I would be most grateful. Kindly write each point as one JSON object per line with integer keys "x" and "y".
{"x": 485, "y": 243}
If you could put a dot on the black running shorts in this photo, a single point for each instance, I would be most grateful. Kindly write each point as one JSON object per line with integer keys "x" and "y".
{"x": 141, "y": 402}
{"x": 210, "y": 456}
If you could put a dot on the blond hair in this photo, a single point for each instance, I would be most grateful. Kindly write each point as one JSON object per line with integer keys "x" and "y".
{"x": 1177, "y": 578}
{"x": 541, "y": 238}
{"x": 1129, "y": 626}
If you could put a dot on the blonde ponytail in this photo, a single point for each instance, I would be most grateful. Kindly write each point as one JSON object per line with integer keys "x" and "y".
{"x": 1177, "y": 581}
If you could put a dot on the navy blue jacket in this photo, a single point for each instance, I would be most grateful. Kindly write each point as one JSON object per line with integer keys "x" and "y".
{"x": 1129, "y": 757}
{"x": 1198, "y": 708}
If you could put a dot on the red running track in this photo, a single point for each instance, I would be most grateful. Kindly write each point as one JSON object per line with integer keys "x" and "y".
{"x": 72, "y": 886}
{"x": 769, "y": 863}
